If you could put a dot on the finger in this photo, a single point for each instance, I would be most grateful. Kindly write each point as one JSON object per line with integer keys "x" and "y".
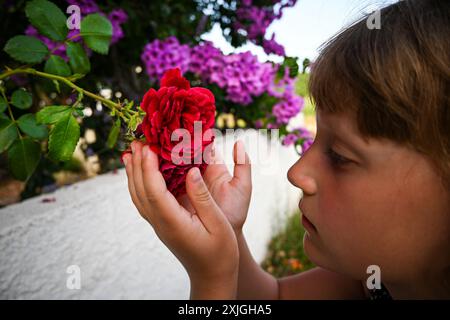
{"x": 159, "y": 199}
{"x": 184, "y": 201}
{"x": 129, "y": 170}
{"x": 201, "y": 199}
{"x": 242, "y": 174}
{"x": 137, "y": 171}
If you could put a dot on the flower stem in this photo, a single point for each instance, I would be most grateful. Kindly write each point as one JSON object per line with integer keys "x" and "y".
{"x": 123, "y": 113}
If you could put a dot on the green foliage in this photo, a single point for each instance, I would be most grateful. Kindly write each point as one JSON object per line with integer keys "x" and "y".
{"x": 21, "y": 99}
{"x": 113, "y": 134}
{"x": 96, "y": 31}
{"x": 23, "y": 158}
{"x": 3, "y": 105}
{"x": 26, "y": 49}
{"x": 286, "y": 255}
{"x": 8, "y": 134}
{"x": 63, "y": 139}
{"x": 27, "y": 123}
{"x": 52, "y": 114}
{"x": 78, "y": 59}
{"x": 57, "y": 65}
{"x": 46, "y": 17}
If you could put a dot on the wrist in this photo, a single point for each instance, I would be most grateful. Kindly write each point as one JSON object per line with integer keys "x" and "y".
{"x": 223, "y": 287}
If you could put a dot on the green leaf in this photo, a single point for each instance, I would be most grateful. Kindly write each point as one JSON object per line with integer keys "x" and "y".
{"x": 27, "y": 123}
{"x": 113, "y": 134}
{"x": 8, "y": 133}
{"x": 3, "y": 104}
{"x": 96, "y": 31}
{"x": 23, "y": 158}
{"x": 52, "y": 114}
{"x": 47, "y": 18}
{"x": 57, "y": 65}
{"x": 78, "y": 60}
{"x": 21, "y": 99}
{"x": 134, "y": 122}
{"x": 63, "y": 139}
{"x": 26, "y": 49}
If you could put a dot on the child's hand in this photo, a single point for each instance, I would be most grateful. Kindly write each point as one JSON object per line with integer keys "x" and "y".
{"x": 204, "y": 242}
{"x": 231, "y": 193}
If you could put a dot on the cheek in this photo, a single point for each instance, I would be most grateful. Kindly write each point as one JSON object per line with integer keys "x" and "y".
{"x": 381, "y": 221}
{"x": 352, "y": 217}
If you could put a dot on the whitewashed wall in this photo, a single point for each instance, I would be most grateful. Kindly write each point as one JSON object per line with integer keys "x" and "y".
{"x": 95, "y": 226}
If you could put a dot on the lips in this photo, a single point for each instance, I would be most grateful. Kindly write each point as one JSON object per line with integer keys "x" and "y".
{"x": 307, "y": 224}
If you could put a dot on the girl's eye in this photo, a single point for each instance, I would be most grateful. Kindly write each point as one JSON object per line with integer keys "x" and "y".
{"x": 335, "y": 158}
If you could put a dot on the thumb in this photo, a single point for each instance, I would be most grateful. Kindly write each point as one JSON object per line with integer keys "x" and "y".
{"x": 202, "y": 201}
{"x": 242, "y": 174}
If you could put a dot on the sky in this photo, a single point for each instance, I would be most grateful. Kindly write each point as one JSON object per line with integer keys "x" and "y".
{"x": 306, "y": 26}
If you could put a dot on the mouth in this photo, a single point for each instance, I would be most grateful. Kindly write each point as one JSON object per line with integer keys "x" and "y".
{"x": 307, "y": 224}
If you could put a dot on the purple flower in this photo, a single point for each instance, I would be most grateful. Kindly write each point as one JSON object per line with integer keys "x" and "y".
{"x": 271, "y": 46}
{"x": 117, "y": 18}
{"x": 289, "y": 139}
{"x": 161, "y": 55}
{"x": 290, "y": 103}
{"x": 86, "y": 6}
{"x": 253, "y": 20}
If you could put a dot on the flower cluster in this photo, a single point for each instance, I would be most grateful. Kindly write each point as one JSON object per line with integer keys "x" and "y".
{"x": 290, "y": 104}
{"x": 242, "y": 76}
{"x": 162, "y": 55}
{"x": 117, "y": 17}
{"x": 254, "y": 20}
{"x": 299, "y": 136}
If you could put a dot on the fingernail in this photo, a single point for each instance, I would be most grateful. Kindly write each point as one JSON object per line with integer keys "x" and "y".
{"x": 125, "y": 161}
{"x": 132, "y": 147}
{"x": 196, "y": 174}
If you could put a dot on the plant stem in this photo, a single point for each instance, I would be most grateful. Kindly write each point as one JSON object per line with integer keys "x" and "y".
{"x": 110, "y": 104}
{"x": 10, "y": 112}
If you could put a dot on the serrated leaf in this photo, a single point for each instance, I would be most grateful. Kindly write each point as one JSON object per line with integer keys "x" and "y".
{"x": 26, "y": 49}
{"x": 52, "y": 114}
{"x": 21, "y": 99}
{"x": 23, "y": 158}
{"x": 96, "y": 31}
{"x": 3, "y": 104}
{"x": 78, "y": 60}
{"x": 47, "y": 18}
{"x": 63, "y": 139}
{"x": 8, "y": 133}
{"x": 57, "y": 65}
{"x": 113, "y": 134}
{"x": 27, "y": 123}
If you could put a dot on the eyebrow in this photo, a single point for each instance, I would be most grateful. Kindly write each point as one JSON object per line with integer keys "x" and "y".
{"x": 355, "y": 149}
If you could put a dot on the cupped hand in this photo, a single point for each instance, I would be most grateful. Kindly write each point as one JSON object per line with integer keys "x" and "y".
{"x": 201, "y": 237}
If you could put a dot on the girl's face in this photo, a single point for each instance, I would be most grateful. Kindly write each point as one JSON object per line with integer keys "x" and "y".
{"x": 371, "y": 202}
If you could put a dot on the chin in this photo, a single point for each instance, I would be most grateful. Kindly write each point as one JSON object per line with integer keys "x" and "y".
{"x": 312, "y": 252}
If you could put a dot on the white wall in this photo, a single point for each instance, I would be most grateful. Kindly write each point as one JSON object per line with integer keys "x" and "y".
{"x": 94, "y": 225}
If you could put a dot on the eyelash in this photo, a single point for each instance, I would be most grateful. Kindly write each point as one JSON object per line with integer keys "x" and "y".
{"x": 335, "y": 158}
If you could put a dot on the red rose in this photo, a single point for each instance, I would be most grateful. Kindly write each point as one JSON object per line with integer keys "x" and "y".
{"x": 176, "y": 105}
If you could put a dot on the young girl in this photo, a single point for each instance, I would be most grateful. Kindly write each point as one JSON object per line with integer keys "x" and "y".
{"x": 375, "y": 181}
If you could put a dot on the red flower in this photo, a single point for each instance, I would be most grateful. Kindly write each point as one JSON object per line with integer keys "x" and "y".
{"x": 177, "y": 106}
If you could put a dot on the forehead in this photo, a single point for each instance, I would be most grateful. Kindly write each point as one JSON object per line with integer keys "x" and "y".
{"x": 342, "y": 124}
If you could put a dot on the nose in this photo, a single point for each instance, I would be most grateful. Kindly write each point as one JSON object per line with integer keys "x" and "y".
{"x": 302, "y": 175}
